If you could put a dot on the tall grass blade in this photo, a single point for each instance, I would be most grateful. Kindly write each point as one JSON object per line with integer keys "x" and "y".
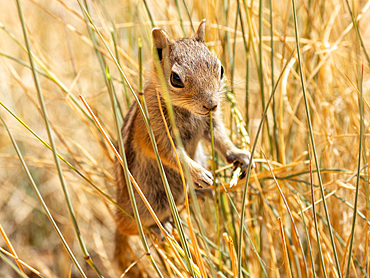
{"x": 173, "y": 208}
{"x": 245, "y": 229}
{"x": 260, "y": 69}
{"x": 12, "y": 265}
{"x": 102, "y": 62}
{"x": 36, "y": 272}
{"x": 180, "y": 17}
{"x": 189, "y": 15}
{"x": 232, "y": 60}
{"x": 127, "y": 99}
{"x": 274, "y": 116}
{"x": 315, "y": 221}
{"x": 308, "y": 241}
{"x": 288, "y": 266}
{"x": 242, "y": 214}
{"x": 49, "y": 74}
{"x": 11, "y": 248}
{"x": 217, "y": 199}
{"x": 52, "y": 143}
{"x": 313, "y": 141}
{"x": 149, "y": 13}
{"x": 357, "y": 29}
{"x": 41, "y": 200}
{"x": 248, "y": 46}
{"x": 361, "y": 110}
{"x": 289, "y": 212}
{"x": 132, "y": 180}
{"x": 24, "y": 64}
{"x": 187, "y": 205}
{"x": 100, "y": 191}
{"x": 126, "y": 170}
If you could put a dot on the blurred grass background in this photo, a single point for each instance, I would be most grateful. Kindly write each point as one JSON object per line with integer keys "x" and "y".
{"x": 335, "y": 71}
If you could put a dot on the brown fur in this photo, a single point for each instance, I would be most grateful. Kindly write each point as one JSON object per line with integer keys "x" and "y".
{"x": 200, "y": 72}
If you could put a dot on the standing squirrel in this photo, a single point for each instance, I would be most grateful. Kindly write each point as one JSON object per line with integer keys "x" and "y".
{"x": 195, "y": 81}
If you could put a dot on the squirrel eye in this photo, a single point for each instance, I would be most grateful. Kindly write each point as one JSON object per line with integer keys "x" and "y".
{"x": 176, "y": 81}
{"x": 222, "y": 72}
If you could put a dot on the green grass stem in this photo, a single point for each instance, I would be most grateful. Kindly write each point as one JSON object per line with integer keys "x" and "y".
{"x": 312, "y": 140}
{"x": 189, "y": 15}
{"x": 100, "y": 191}
{"x": 53, "y": 146}
{"x": 149, "y": 13}
{"x": 291, "y": 217}
{"x": 118, "y": 125}
{"x": 361, "y": 111}
{"x": 48, "y": 72}
{"x": 341, "y": 241}
{"x": 315, "y": 222}
{"x": 245, "y": 229}
{"x": 232, "y": 60}
{"x": 24, "y": 64}
{"x": 357, "y": 29}
{"x": 248, "y": 176}
{"x": 12, "y": 265}
{"x": 248, "y": 46}
{"x": 274, "y": 116}
{"x": 41, "y": 200}
{"x": 176, "y": 133}
{"x": 217, "y": 199}
{"x": 127, "y": 99}
{"x": 102, "y": 62}
{"x": 180, "y": 17}
{"x": 308, "y": 241}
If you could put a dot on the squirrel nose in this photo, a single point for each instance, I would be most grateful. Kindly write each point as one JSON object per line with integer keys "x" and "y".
{"x": 210, "y": 108}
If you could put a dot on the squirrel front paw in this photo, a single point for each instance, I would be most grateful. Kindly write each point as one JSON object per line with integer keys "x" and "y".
{"x": 240, "y": 158}
{"x": 202, "y": 177}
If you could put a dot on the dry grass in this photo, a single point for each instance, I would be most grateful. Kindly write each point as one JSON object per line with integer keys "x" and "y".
{"x": 335, "y": 73}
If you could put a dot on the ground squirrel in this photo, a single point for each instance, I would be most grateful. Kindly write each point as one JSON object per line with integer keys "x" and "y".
{"x": 195, "y": 82}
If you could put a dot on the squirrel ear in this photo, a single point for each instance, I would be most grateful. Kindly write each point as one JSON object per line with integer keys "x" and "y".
{"x": 161, "y": 40}
{"x": 199, "y": 35}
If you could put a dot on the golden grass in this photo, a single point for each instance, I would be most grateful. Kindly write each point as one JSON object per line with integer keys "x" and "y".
{"x": 333, "y": 64}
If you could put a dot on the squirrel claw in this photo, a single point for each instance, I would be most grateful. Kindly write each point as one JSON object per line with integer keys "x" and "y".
{"x": 203, "y": 179}
{"x": 242, "y": 175}
{"x": 242, "y": 159}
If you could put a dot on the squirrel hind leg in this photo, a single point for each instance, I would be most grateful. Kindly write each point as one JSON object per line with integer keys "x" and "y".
{"x": 124, "y": 257}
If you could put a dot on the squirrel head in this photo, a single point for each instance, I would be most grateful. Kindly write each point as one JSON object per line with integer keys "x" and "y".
{"x": 194, "y": 77}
